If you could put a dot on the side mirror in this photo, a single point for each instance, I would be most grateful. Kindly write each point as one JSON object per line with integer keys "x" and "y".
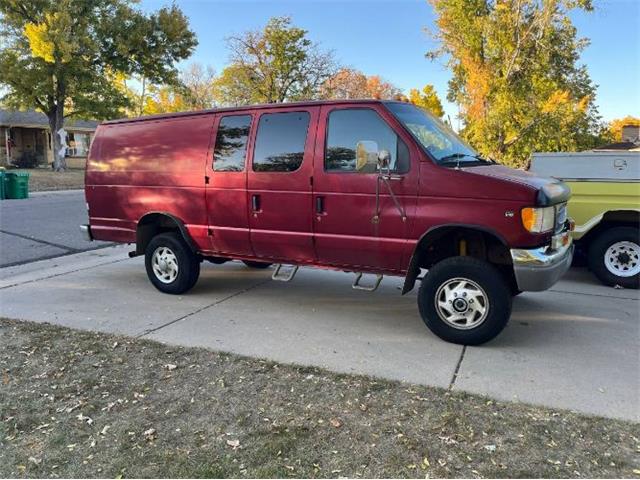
{"x": 366, "y": 156}
{"x": 384, "y": 160}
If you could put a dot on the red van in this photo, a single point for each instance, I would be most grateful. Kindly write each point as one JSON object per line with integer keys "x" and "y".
{"x": 371, "y": 187}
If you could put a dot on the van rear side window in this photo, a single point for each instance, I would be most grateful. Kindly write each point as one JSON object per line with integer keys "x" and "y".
{"x": 231, "y": 143}
{"x": 280, "y": 142}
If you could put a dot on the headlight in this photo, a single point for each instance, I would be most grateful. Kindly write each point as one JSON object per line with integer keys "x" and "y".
{"x": 538, "y": 220}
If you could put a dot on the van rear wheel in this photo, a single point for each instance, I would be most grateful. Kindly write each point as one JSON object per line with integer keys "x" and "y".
{"x": 171, "y": 265}
{"x": 465, "y": 300}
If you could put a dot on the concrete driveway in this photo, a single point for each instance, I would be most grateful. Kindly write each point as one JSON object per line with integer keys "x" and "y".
{"x": 576, "y": 346}
{"x": 43, "y": 226}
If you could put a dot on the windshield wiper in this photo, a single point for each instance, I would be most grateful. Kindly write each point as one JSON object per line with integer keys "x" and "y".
{"x": 455, "y": 158}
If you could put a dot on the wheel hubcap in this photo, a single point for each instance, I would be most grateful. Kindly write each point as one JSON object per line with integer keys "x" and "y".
{"x": 165, "y": 264}
{"x": 461, "y": 303}
{"x": 623, "y": 259}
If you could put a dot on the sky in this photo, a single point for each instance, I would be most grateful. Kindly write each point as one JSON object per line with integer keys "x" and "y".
{"x": 389, "y": 38}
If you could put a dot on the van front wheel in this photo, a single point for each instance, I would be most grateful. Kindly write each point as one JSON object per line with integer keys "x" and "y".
{"x": 465, "y": 300}
{"x": 171, "y": 265}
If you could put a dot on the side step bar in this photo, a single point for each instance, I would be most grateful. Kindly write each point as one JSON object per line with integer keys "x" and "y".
{"x": 367, "y": 288}
{"x": 285, "y": 276}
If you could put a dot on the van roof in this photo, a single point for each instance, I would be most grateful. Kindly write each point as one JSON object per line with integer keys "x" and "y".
{"x": 245, "y": 108}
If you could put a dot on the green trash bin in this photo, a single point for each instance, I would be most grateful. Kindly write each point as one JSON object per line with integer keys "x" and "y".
{"x": 17, "y": 185}
{"x": 3, "y": 194}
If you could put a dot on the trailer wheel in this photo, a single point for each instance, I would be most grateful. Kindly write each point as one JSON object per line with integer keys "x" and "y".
{"x": 465, "y": 300}
{"x": 614, "y": 257}
{"x": 171, "y": 265}
{"x": 260, "y": 265}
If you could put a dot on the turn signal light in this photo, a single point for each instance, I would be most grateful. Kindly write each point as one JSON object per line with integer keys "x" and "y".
{"x": 538, "y": 220}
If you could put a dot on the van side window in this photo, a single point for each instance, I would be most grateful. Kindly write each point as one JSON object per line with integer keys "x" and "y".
{"x": 280, "y": 142}
{"x": 231, "y": 143}
{"x": 354, "y": 139}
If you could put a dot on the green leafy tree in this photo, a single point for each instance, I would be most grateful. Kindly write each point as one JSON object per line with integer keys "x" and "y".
{"x": 427, "y": 99}
{"x": 63, "y": 57}
{"x": 276, "y": 64}
{"x": 516, "y": 76}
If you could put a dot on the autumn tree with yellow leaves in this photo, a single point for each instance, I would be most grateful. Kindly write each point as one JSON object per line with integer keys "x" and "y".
{"x": 64, "y": 57}
{"x": 614, "y": 129}
{"x": 427, "y": 99}
{"x": 193, "y": 91}
{"x": 516, "y": 75}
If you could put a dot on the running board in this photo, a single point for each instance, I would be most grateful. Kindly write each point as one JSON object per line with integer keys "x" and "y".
{"x": 284, "y": 276}
{"x": 367, "y": 288}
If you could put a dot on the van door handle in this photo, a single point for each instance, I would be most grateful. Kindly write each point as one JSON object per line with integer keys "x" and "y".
{"x": 319, "y": 205}
{"x": 394, "y": 178}
{"x": 255, "y": 203}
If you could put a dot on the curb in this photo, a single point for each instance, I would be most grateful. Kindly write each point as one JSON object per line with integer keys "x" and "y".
{"x": 61, "y": 265}
{"x": 55, "y": 192}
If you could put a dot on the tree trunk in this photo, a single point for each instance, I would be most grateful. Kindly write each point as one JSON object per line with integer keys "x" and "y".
{"x": 56, "y": 123}
{"x": 142, "y": 95}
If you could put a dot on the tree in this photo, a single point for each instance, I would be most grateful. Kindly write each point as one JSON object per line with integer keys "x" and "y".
{"x": 62, "y": 57}
{"x": 427, "y": 99}
{"x": 276, "y": 64}
{"x": 345, "y": 84}
{"x": 193, "y": 91}
{"x": 349, "y": 83}
{"x": 381, "y": 89}
{"x": 516, "y": 76}
{"x": 614, "y": 129}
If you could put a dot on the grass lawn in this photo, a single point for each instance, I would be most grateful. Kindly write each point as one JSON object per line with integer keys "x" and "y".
{"x": 45, "y": 179}
{"x": 81, "y": 404}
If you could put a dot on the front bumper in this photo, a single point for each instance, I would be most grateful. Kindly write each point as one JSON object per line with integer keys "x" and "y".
{"x": 539, "y": 268}
{"x": 86, "y": 232}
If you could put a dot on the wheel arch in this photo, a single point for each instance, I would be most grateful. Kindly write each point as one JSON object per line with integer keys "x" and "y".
{"x": 611, "y": 218}
{"x": 447, "y": 240}
{"x": 154, "y": 223}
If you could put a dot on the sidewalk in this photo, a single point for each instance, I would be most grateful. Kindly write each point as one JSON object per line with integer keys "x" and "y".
{"x": 575, "y": 347}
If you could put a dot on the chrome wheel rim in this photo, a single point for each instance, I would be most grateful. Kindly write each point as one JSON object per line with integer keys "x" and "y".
{"x": 165, "y": 264}
{"x": 623, "y": 259}
{"x": 462, "y": 303}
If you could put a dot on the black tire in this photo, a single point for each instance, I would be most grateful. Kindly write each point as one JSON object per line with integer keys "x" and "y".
{"x": 496, "y": 293}
{"x": 260, "y": 265}
{"x": 599, "y": 247}
{"x": 187, "y": 262}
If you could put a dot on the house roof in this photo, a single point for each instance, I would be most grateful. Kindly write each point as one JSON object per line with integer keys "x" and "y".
{"x": 33, "y": 119}
{"x": 619, "y": 146}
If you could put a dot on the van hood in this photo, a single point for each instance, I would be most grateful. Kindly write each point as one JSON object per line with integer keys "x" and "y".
{"x": 550, "y": 191}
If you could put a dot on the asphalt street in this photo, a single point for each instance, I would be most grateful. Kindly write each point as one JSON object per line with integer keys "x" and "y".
{"x": 42, "y": 226}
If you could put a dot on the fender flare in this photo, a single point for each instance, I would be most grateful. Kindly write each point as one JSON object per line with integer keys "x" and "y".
{"x": 588, "y": 226}
{"x": 433, "y": 234}
{"x": 175, "y": 220}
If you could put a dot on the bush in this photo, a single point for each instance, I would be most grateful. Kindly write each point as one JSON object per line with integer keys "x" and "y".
{"x": 28, "y": 159}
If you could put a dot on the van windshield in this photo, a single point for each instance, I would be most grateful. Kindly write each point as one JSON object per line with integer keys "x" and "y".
{"x": 438, "y": 139}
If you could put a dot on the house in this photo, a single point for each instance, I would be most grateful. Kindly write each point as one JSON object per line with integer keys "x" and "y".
{"x": 630, "y": 141}
{"x": 28, "y": 131}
